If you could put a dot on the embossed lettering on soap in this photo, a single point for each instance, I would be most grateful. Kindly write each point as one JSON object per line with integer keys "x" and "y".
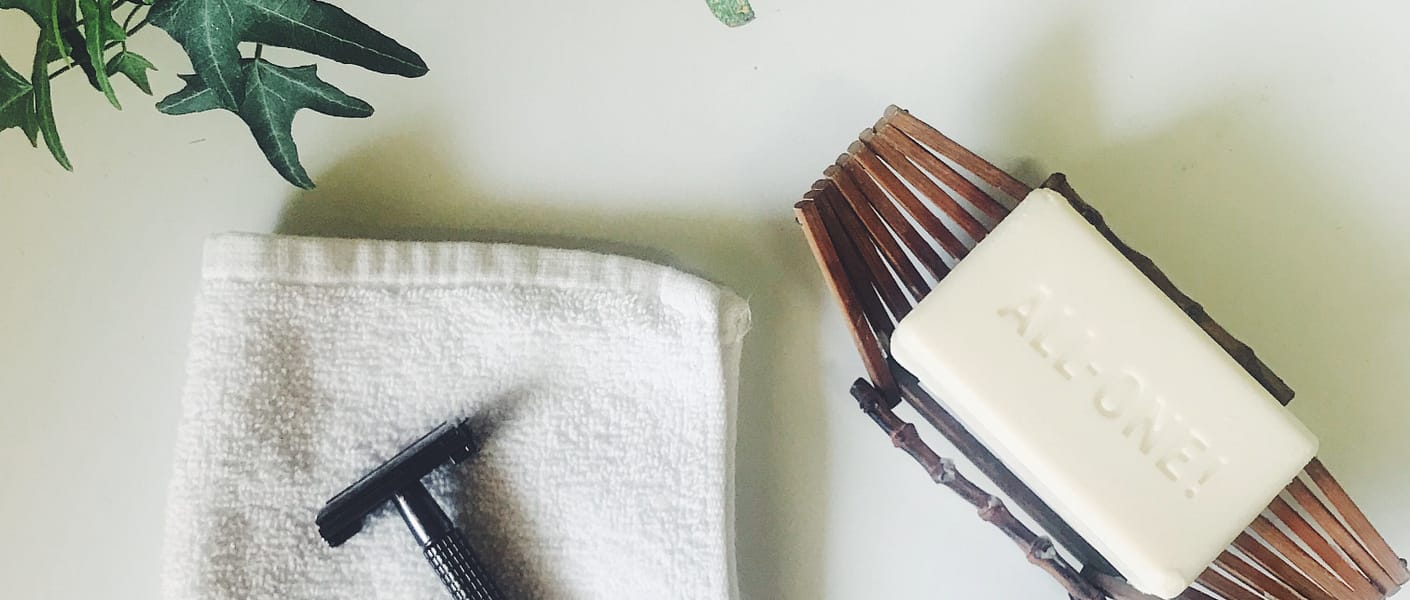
{"x": 1056, "y": 333}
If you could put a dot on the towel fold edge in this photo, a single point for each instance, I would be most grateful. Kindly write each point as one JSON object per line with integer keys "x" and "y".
{"x": 252, "y": 257}
{"x": 311, "y": 260}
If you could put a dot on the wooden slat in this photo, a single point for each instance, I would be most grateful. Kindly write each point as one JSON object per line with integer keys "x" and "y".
{"x": 881, "y": 236}
{"x": 913, "y": 240}
{"x": 1300, "y": 559}
{"x": 1312, "y": 505}
{"x": 1361, "y": 587}
{"x": 1254, "y": 578}
{"x": 1273, "y": 563}
{"x": 929, "y": 222}
{"x": 875, "y": 272}
{"x": 858, "y": 276}
{"x": 945, "y": 173}
{"x": 1358, "y": 522}
{"x": 1194, "y": 594}
{"x": 896, "y": 158}
{"x": 962, "y": 156}
{"x": 1226, "y": 588}
{"x": 831, "y": 266}
{"x": 902, "y": 229}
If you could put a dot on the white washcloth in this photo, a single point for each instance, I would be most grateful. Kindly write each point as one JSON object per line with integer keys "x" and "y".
{"x": 608, "y": 474}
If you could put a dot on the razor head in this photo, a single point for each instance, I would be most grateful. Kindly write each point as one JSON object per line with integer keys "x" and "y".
{"x": 343, "y": 515}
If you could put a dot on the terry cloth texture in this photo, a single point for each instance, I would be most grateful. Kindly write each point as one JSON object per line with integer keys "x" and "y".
{"x": 609, "y": 384}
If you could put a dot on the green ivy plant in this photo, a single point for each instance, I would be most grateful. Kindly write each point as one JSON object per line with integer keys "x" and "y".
{"x": 86, "y": 34}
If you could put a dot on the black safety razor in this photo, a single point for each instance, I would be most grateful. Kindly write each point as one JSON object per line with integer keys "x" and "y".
{"x": 399, "y": 479}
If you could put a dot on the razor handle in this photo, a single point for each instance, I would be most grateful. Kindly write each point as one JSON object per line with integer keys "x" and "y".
{"x": 445, "y": 546}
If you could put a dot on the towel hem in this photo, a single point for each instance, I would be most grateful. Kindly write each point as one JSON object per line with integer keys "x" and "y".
{"x": 331, "y": 261}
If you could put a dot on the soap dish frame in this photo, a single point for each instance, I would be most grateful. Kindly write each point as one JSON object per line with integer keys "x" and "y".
{"x": 880, "y": 223}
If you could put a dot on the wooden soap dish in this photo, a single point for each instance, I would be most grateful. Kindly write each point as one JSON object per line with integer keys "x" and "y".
{"x": 890, "y": 219}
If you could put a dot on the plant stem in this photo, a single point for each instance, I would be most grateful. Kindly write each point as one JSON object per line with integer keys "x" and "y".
{"x": 71, "y": 65}
{"x": 259, "y": 50}
{"x": 146, "y": 18}
{"x": 111, "y": 45}
{"x": 127, "y": 22}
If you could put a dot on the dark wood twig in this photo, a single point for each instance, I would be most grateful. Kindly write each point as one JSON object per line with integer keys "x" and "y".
{"x": 1357, "y": 521}
{"x": 1240, "y": 351}
{"x": 1038, "y": 549}
{"x": 993, "y": 468}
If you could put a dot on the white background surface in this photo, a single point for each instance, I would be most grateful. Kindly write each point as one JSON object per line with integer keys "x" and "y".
{"x": 1255, "y": 151}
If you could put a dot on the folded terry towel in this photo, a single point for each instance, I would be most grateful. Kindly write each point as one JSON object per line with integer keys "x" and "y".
{"x": 607, "y": 474}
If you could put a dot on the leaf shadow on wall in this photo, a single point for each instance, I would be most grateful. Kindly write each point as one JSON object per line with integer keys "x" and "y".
{"x": 1233, "y": 206}
{"x": 406, "y": 188}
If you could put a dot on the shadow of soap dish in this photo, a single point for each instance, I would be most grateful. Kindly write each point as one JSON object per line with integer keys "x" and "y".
{"x": 890, "y": 220}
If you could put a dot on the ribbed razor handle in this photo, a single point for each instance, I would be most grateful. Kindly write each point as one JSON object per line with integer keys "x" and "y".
{"x": 459, "y": 569}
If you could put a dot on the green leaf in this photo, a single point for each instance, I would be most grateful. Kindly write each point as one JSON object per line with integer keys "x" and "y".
{"x": 273, "y": 94}
{"x": 17, "y": 103}
{"x": 195, "y": 97}
{"x": 134, "y": 66}
{"x": 111, "y": 28}
{"x": 49, "y": 48}
{"x": 731, "y": 12}
{"x": 326, "y": 30}
{"x": 207, "y": 30}
{"x": 88, "y": 41}
{"x": 210, "y": 31}
{"x": 99, "y": 30}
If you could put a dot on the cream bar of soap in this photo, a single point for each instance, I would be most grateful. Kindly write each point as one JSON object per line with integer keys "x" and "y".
{"x": 1102, "y": 396}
